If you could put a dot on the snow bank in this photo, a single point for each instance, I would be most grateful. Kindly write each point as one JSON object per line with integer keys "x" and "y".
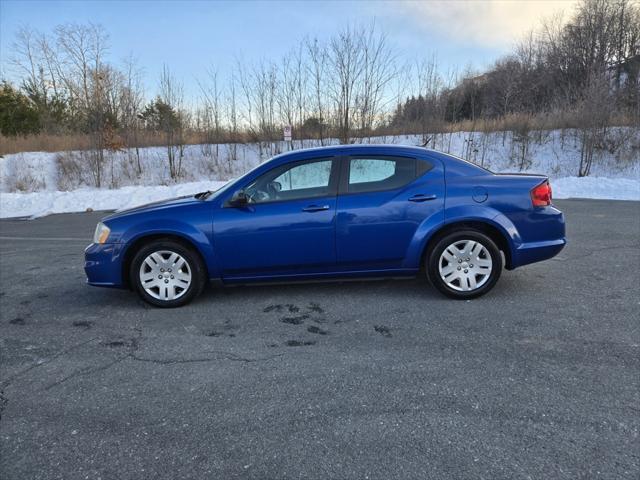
{"x": 555, "y": 153}
{"x": 38, "y": 204}
{"x": 596, "y": 187}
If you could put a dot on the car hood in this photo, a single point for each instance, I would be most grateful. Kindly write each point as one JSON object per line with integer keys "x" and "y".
{"x": 159, "y": 205}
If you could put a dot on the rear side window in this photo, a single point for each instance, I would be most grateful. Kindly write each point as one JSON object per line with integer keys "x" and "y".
{"x": 370, "y": 174}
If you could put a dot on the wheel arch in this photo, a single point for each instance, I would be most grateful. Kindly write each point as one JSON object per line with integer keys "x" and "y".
{"x": 494, "y": 232}
{"x": 136, "y": 244}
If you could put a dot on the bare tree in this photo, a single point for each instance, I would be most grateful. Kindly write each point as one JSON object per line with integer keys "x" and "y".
{"x": 300, "y": 89}
{"x": 378, "y": 70}
{"x": 316, "y": 69}
{"x": 36, "y": 61}
{"x": 26, "y": 58}
{"x": 85, "y": 75}
{"x": 286, "y": 91}
{"x": 593, "y": 114}
{"x": 345, "y": 70}
{"x": 232, "y": 121}
{"x": 131, "y": 102}
{"x": 430, "y": 85}
{"x": 212, "y": 98}
{"x": 259, "y": 87}
{"x": 172, "y": 121}
{"x": 83, "y": 48}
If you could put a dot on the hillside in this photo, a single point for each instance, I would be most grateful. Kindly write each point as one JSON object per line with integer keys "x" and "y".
{"x": 39, "y": 183}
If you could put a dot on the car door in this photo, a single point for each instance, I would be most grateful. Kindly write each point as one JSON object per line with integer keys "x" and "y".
{"x": 288, "y": 226}
{"x": 382, "y": 201}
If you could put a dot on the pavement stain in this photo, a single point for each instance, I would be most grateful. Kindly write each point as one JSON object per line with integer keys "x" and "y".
{"x": 291, "y": 308}
{"x": 218, "y": 333}
{"x": 17, "y": 321}
{"x": 311, "y": 309}
{"x": 3, "y": 403}
{"x": 299, "y": 343}
{"x": 314, "y": 307}
{"x": 317, "y": 330}
{"x": 383, "y": 330}
{"x": 297, "y": 320}
{"x": 82, "y": 324}
{"x": 121, "y": 342}
{"x": 223, "y": 330}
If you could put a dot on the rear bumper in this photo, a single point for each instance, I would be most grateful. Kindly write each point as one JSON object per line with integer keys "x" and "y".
{"x": 102, "y": 265}
{"x": 537, "y": 251}
{"x": 544, "y": 236}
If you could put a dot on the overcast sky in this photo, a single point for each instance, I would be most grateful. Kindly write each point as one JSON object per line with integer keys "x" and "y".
{"x": 189, "y": 36}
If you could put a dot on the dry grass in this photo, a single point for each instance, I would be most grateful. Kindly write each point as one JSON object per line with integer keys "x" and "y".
{"x": 69, "y": 142}
{"x": 513, "y": 122}
{"x": 43, "y": 143}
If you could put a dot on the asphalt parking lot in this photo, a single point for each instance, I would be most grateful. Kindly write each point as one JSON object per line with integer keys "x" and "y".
{"x": 386, "y": 379}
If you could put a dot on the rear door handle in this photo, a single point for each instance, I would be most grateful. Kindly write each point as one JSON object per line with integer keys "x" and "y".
{"x": 315, "y": 208}
{"x": 420, "y": 197}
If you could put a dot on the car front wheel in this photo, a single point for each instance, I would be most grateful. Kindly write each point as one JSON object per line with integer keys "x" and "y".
{"x": 464, "y": 264}
{"x": 167, "y": 274}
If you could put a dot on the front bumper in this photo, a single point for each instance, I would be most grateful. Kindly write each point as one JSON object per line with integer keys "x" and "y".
{"x": 103, "y": 265}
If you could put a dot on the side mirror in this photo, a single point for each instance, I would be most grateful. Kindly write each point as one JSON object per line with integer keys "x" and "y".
{"x": 239, "y": 199}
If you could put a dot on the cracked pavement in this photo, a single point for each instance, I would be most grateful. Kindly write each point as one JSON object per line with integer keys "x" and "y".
{"x": 386, "y": 379}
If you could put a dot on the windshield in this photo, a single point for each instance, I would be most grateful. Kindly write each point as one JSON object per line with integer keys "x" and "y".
{"x": 233, "y": 181}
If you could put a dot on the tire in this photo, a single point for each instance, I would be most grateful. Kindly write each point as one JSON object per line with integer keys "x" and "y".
{"x": 450, "y": 272}
{"x": 167, "y": 274}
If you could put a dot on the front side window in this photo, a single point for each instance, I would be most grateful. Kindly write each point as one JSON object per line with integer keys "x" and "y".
{"x": 306, "y": 179}
{"x": 370, "y": 174}
{"x": 306, "y": 176}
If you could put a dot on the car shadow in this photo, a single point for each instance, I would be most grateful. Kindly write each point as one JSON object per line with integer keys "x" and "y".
{"x": 367, "y": 290}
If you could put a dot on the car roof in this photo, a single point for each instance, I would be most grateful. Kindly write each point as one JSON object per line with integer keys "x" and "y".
{"x": 357, "y": 148}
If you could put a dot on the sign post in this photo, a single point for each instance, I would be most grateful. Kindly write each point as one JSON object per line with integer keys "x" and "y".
{"x": 286, "y": 131}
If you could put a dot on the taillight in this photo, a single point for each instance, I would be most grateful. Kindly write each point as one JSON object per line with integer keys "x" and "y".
{"x": 541, "y": 195}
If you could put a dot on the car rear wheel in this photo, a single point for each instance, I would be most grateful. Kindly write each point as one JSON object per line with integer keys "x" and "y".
{"x": 167, "y": 274}
{"x": 464, "y": 264}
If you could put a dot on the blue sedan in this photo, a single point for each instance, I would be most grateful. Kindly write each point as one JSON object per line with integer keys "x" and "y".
{"x": 334, "y": 212}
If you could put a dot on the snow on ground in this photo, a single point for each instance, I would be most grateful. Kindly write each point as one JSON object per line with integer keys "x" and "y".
{"x": 40, "y": 183}
{"x": 596, "y": 187}
{"x": 38, "y": 204}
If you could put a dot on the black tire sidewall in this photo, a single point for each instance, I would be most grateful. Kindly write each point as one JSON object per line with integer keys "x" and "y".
{"x": 198, "y": 276}
{"x": 440, "y": 245}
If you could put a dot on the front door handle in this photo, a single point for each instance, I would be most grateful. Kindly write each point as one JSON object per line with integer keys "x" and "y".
{"x": 421, "y": 197}
{"x": 315, "y": 208}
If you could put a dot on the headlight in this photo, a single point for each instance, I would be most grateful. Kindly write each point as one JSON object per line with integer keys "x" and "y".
{"x": 101, "y": 234}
